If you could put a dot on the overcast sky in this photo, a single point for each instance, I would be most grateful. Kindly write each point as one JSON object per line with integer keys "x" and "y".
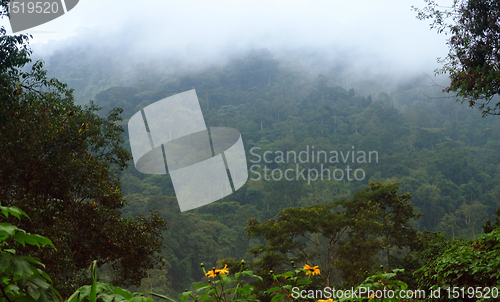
{"x": 385, "y": 32}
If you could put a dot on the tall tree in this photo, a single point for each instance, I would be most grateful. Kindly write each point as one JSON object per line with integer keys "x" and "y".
{"x": 59, "y": 164}
{"x": 329, "y": 235}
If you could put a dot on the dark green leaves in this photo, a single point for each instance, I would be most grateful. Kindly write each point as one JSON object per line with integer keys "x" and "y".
{"x": 20, "y": 236}
{"x": 60, "y": 163}
{"x": 21, "y": 276}
{"x": 12, "y": 211}
{"x": 476, "y": 264}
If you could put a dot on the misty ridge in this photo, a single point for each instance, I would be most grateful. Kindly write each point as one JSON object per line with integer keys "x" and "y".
{"x": 300, "y": 148}
{"x": 326, "y": 92}
{"x": 294, "y": 100}
{"x": 288, "y": 99}
{"x": 92, "y": 64}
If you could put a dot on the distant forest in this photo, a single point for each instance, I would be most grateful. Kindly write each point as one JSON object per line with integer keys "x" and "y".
{"x": 442, "y": 153}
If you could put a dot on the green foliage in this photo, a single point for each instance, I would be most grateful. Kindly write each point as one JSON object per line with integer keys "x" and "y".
{"x": 222, "y": 287}
{"x": 106, "y": 292}
{"x": 473, "y": 59}
{"x": 444, "y": 154}
{"x": 382, "y": 281}
{"x": 22, "y": 277}
{"x": 60, "y": 162}
{"x": 344, "y": 234}
{"x": 476, "y": 264}
{"x": 286, "y": 282}
{"x": 448, "y": 160}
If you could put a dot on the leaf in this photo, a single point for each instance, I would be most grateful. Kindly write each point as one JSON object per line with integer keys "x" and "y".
{"x": 50, "y": 295}
{"x": 106, "y": 297}
{"x": 140, "y": 299}
{"x": 38, "y": 282}
{"x": 125, "y": 293}
{"x": 401, "y": 283}
{"x": 7, "y": 229}
{"x": 201, "y": 286}
{"x": 162, "y": 296}
{"x": 14, "y": 211}
{"x": 249, "y": 274}
{"x": 84, "y": 291}
{"x": 93, "y": 289}
{"x": 26, "y": 299}
{"x": 303, "y": 281}
{"x": 274, "y": 289}
{"x": 5, "y": 261}
{"x": 33, "y": 289}
{"x": 280, "y": 296}
{"x": 22, "y": 269}
{"x": 104, "y": 287}
{"x": 75, "y": 297}
{"x": 184, "y": 296}
{"x": 227, "y": 280}
{"x": 114, "y": 297}
{"x": 32, "y": 239}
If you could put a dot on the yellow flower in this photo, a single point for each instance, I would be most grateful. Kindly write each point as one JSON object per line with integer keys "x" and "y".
{"x": 311, "y": 270}
{"x": 371, "y": 297}
{"x": 215, "y": 272}
{"x": 329, "y": 300}
{"x": 212, "y": 273}
{"x": 224, "y": 271}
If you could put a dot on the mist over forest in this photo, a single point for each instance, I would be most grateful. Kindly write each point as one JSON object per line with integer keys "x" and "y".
{"x": 115, "y": 64}
{"x": 412, "y": 182}
{"x": 440, "y": 151}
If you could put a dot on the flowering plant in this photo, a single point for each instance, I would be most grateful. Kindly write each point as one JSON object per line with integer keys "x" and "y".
{"x": 287, "y": 281}
{"x": 221, "y": 287}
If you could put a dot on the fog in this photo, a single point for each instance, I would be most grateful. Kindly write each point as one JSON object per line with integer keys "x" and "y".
{"x": 363, "y": 39}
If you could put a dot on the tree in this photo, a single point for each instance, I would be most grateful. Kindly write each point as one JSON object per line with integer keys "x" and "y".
{"x": 473, "y": 61}
{"x": 345, "y": 234}
{"x": 488, "y": 227}
{"x": 472, "y": 214}
{"x": 449, "y": 221}
{"x": 294, "y": 232}
{"x": 60, "y": 163}
{"x": 380, "y": 221}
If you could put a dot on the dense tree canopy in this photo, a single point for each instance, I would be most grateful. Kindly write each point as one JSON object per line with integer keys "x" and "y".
{"x": 447, "y": 158}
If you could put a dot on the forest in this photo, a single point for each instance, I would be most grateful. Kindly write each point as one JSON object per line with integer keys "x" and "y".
{"x": 398, "y": 189}
{"x": 442, "y": 154}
